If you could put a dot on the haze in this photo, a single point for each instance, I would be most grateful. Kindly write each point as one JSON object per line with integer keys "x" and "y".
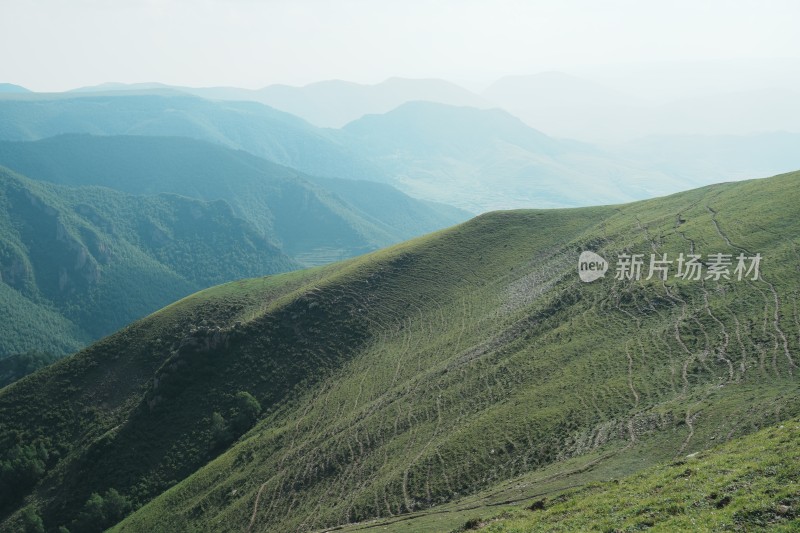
{"x": 55, "y": 45}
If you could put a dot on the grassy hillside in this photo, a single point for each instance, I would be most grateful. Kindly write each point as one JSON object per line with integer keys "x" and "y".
{"x": 314, "y": 223}
{"x": 78, "y": 263}
{"x": 470, "y": 367}
{"x": 745, "y": 484}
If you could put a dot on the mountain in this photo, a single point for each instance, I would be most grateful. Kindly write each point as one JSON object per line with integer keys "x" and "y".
{"x": 468, "y": 367}
{"x": 78, "y": 263}
{"x": 11, "y": 88}
{"x": 265, "y": 132}
{"x": 313, "y": 220}
{"x": 334, "y": 103}
{"x": 488, "y": 159}
{"x": 128, "y": 87}
{"x": 331, "y": 103}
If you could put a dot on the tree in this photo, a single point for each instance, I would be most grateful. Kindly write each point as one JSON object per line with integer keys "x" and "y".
{"x": 220, "y": 434}
{"x": 21, "y": 469}
{"x": 116, "y": 506}
{"x": 246, "y": 413}
{"x": 31, "y": 521}
{"x": 92, "y": 517}
{"x": 101, "y": 512}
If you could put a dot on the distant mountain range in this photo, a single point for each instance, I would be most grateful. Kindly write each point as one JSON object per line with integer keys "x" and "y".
{"x": 331, "y": 103}
{"x": 612, "y": 105}
{"x": 277, "y": 136}
{"x": 475, "y": 159}
{"x": 488, "y": 159}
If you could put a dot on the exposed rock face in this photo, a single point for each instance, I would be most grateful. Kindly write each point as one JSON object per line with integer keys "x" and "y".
{"x": 79, "y": 262}
{"x": 200, "y": 339}
{"x": 67, "y": 262}
{"x": 204, "y": 338}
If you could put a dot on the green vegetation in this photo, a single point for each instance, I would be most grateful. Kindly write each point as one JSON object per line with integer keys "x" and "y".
{"x": 746, "y": 485}
{"x": 31, "y": 521}
{"x": 77, "y": 263}
{"x": 101, "y": 512}
{"x": 20, "y": 365}
{"x": 434, "y": 382}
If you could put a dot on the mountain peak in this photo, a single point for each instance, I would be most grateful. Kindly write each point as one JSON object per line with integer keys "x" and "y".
{"x": 11, "y": 88}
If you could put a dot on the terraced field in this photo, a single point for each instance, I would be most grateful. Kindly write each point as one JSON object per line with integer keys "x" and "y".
{"x": 415, "y": 388}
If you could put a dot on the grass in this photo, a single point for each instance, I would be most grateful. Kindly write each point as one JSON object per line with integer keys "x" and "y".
{"x": 748, "y": 484}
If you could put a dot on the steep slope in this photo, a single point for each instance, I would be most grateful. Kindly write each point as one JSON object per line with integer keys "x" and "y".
{"x": 328, "y": 220}
{"x": 77, "y": 263}
{"x": 424, "y": 374}
{"x": 487, "y": 159}
{"x": 256, "y": 128}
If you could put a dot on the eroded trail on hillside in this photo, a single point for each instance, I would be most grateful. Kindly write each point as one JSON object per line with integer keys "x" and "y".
{"x": 776, "y": 315}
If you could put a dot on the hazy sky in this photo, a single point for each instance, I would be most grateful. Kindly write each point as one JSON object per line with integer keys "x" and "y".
{"x": 62, "y": 44}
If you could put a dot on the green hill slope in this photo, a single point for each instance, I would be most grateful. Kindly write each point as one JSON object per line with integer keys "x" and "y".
{"x": 471, "y": 365}
{"x": 77, "y": 263}
{"x": 314, "y": 220}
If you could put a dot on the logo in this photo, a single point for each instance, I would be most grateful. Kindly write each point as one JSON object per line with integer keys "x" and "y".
{"x": 692, "y": 267}
{"x": 591, "y": 266}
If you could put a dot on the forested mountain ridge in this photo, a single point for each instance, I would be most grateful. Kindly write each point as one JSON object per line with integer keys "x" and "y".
{"x": 81, "y": 262}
